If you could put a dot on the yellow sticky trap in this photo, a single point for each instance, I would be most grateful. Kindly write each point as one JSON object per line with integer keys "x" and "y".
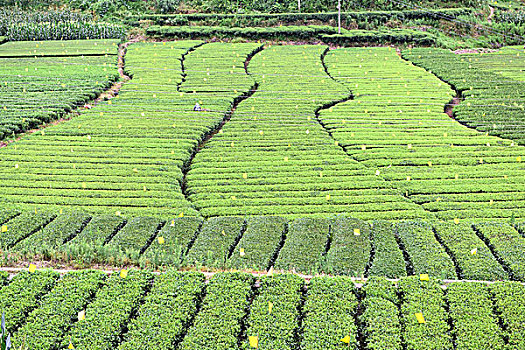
{"x": 84, "y": 185}
{"x": 346, "y": 339}
{"x": 181, "y": 215}
{"x": 32, "y": 268}
{"x": 357, "y": 232}
{"x": 327, "y": 197}
{"x": 285, "y": 159}
{"x": 244, "y": 176}
{"x": 60, "y": 211}
{"x": 430, "y": 164}
{"x": 424, "y": 277}
{"x": 491, "y": 201}
{"x": 518, "y": 159}
{"x": 254, "y": 341}
{"x": 270, "y": 307}
{"x": 82, "y": 315}
{"x": 408, "y": 178}
{"x": 117, "y": 213}
{"x": 363, "y": 148}
{"x": 161, "y": 240}
{"x": 378, "y": 172}
{"x": 172, "y": 223}
{"x": 474, "y": 251}
{"x": 456, "y": 221}
{"x": 241, "y": 252}
{"x": 123, "y": 273}
{"x": 420, "y": 318}
{"x": 70, "y": 346}
{"x": 4, "y": 228}
{"x": 232, "y": 144}
{"x": 223, "y": 233}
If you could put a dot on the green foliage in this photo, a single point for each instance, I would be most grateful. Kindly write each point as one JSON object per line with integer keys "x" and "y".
{"x": 382, "y": 327}
{"x": 330, "y": 308}
{"x": 507, "y": 243}
{"x": 135, "y": 237}
{"x": 276, "y": 329}
{"x": 50, "y": 88}
{"x": 425, "y": 297}
{"x": 172, "y": 242}
{"x": 471, "y": 311}
{"x": 259, "y": 242}
{"x": 350, "y": 247}
{"x": 55, "y": 234}
{"x": 24, "y": 226}
{"x": 218, "y": 324}
{"x": 215, "y": 241}
{"x": 166, "y": 312}
{"x": 23, "y": 294}
{"x": 509, "y": 300}
{"x": 473, "y": 257}
{"x": 478, "y": 78}
{"x": 45, "y": 327}
{"x": 363, "y": 19}
{"x": 388, "y": 259}
{"x": 304, "y": 246}
{"x": 19, "y": 25}
{"x": 109, "y": 312}
{"x": 425, "y": 252}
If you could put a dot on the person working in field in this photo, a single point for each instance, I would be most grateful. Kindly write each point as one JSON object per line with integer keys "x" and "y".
{"x": 197, "y": 107}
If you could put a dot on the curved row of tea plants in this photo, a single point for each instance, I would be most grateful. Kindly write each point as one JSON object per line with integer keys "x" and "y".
{"x": 36, "y": 87}
{"x": 395, "y": 126}
{"x": 491, "y": 85}
{"x": 272, "y": 157}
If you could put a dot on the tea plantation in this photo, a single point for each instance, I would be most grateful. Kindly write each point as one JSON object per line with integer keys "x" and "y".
{"x": 243, "y": 194}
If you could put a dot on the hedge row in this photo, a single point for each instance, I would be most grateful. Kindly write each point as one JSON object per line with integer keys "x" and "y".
{"x": 267, "y": 19}
{"x": 23, "y": 294}
{"x": 109, "y": 313}
{"x": 473, "y": 257}
{"x": 382, "y": 327}
{"x": 425, "y": 298}
{"x": 234, "y": 311}
{"x": 507, "y": 244}
{"x": 424, "y": 251}
{"x": 471, "y": 311}
{"x": 388, "y": 258}
{"x": 314, "y": 33}
{"x": 167, "y": 311}
{"x": 340, "y": 245}
{"x": 218, "y": 325}
{"x": 274, "y": 313}
{"x": 330, "y": 309}
{"x": 46, "y": 326}
{"x": 509, "y": 303}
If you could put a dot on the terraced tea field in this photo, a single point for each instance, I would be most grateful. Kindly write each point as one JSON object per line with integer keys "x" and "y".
{"x": 305, "y": 164}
